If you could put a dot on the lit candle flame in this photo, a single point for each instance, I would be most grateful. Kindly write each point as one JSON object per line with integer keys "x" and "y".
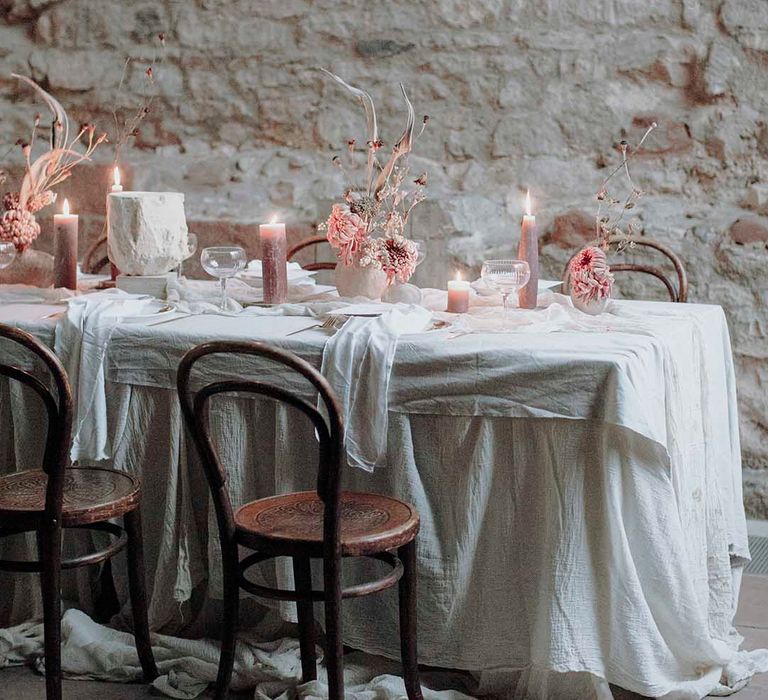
{"x": 273, "y": 220}
{"x": 528, "y": 203}
{"x": 65, "y": 208}
{"x": 458, "y": 275}
{"x": 117, "y": 175}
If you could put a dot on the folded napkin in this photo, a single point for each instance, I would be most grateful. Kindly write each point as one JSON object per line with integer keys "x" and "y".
{"x": 202, "y": 296}
{"x": 357, "y": 362}
{"x": 82, "y": 336}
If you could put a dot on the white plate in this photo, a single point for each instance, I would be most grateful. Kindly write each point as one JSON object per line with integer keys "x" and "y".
{"x": 163, "y": 309}
{"x": 364, "y": 309}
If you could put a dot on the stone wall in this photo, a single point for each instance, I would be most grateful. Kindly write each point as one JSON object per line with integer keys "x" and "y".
{"x": 520, "y": 94}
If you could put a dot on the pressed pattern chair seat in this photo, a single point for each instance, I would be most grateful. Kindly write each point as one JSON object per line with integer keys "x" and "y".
{"x": 370, "y": 523}
{"x": 90, "y": 494}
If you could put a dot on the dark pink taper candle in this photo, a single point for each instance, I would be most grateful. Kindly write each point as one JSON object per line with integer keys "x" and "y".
{"x": 529, "y": 251}
{"x": 274, "y": 266}
{"x": 65, "y": 249}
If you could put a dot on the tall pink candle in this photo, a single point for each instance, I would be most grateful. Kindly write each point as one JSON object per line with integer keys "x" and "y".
{"x": 529, "y": 251}
{"x": 65, "y": 248}
{"x": 274, "y": 265}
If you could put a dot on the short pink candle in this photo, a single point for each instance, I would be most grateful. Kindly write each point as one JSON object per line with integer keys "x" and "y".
{"x": 274, "y": 265}
{"x": 458, "y": 296}
{"x": 65, "y": 248}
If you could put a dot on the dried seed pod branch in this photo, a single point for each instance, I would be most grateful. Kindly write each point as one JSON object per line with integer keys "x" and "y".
{"x": 609, "y": 223}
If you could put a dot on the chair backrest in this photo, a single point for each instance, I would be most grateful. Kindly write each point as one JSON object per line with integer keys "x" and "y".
{"x": 330, "y": 431}
{"x": 307, "y": 243}
{"x": 59, "y": 409}
{"x": 677, "y": 289}
{"x": 95, "y": 258}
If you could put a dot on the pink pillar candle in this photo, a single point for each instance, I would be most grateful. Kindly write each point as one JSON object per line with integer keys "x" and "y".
{"x": 529, "y": 251}
{"x": 65, "y": 249}
{"x": 458, "y": 296}
{"x": 274, "y": 265}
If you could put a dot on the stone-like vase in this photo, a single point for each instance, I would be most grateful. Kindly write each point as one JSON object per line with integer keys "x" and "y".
{"x": 593, "y": 307}
{"x": 402, "y": 293}
{"x": 355, "y": 281}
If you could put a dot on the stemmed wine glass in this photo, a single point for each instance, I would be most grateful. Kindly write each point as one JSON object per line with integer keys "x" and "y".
{"x": 506, "y": 276}
{"x": 223, "y": 262}
{"x": 7, "y": 254}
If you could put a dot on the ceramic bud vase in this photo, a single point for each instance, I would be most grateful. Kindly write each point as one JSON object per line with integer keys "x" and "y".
{"x": 355, "y": 281}
{"x": 593, "y": 307}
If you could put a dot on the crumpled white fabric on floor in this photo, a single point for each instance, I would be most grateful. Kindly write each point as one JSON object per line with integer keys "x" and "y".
{"x": 272, "y": 668}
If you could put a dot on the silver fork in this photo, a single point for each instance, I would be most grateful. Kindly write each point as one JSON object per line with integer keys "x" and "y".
{"x": 330, "y": 323}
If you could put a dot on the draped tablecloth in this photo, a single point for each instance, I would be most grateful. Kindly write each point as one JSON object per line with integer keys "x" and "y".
{"x": 580, "y": 492}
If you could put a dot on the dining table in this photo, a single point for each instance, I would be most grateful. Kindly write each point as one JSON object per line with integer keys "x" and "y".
{"x": 578, "y": 480}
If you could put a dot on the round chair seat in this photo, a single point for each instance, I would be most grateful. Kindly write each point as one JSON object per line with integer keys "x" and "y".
{"x": 369, "y": 523}
{"x": 90, "y": 495}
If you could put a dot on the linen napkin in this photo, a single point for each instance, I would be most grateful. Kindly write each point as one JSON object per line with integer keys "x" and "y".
{"x": 81, "y": 340}
{"x": 357, "y": 362}
{"x": 202, "y": 296}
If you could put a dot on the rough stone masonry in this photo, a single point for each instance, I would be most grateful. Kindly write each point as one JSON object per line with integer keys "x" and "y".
{"x": 520, "y": 94}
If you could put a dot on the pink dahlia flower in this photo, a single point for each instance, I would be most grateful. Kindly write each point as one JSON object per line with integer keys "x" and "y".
{"x": 346, "y": 232}
{"x": 591, "y": 277}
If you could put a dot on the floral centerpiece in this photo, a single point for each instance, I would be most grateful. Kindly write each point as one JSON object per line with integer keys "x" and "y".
{"x": 42, "y": 174}
{"x": 591, "y": 281}
{"x": 367, "y": 228}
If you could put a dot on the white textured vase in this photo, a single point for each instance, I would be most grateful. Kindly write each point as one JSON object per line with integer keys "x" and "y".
{"x": 147, "y": 232}
{"x": 593, "y": 307}
{"x": 355, "y": 281}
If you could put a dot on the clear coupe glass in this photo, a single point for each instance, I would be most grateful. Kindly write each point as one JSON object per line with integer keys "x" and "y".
{"x": 191, "y": 250}
{"x": 506, "y": 276}
{"x": 7, "y": 254}
{"x": 223, "y": 262}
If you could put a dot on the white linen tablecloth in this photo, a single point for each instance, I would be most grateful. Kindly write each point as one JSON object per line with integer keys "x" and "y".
{"x": 572, "y": 486}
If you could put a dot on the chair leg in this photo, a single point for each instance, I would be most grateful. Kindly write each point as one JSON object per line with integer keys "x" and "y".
{"x": 138, "y": 593}
{"x": 407, "y": 590}
{"x": 231, "y": 584}
{"x": 302, "y": 574}
{"x": 49, "y": 551}
{"x": 335, "y": 648}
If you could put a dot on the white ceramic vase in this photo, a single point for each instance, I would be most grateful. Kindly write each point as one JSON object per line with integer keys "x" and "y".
{"x": 355, "y": 281}
{"x": 593, "y": 307}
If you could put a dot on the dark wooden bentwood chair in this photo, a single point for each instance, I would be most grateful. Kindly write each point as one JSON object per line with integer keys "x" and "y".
{"x": 58, "y": 496}
{"x": 308, "y": 243}
{"x": 96, "y": 259}
{"x": 677, "y": 290}
{"x": 326, "y": 523}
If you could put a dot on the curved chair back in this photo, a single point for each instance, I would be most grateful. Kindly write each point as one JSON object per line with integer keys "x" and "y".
{"x": 677, "y": 286}
{"x": 308, "y": 243}
{"x": 59, "y": 410}
{"x": 95, "y": 258}
{"x": 329, "y": 432}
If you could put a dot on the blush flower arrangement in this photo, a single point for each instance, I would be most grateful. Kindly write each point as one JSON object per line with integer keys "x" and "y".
{"x": 367, "y": 228}
{"x": 590, "y": 276}
{"x": 18, "y": 223}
